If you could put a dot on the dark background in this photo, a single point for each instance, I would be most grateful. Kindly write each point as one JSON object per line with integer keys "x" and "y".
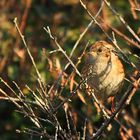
{"x": 67, "y": 19}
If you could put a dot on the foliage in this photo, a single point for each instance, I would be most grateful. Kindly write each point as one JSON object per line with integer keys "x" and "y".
{"x": 49, "y": 83}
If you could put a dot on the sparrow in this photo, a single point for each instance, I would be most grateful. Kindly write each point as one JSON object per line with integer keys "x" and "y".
{"x": 103, "y": 71}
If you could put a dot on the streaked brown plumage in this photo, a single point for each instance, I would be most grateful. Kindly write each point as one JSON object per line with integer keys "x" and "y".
{"x": 103, "y": 70}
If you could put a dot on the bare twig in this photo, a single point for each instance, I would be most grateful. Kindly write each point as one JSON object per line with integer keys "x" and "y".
{"x": 10, "y": 99}
{"x": 123, "y": 21}
{"x": 100, "y": 105}
{"x": 84, "y": 131}
{"x": 114, "y": 43}
{"x": 77, "y": 63}
{"x": 131, "y": 89}
{"x": 60, "y": 48}
{"x": 86, "y": 29}
{"x": 56, "y": 133}
{"x": 24, "y": 105}
{"x": 36, "y": 133}
{"x": 73, "y": 93}
{"x": 132, "y": 8}
{"x": 76, "y": 44}
{"x": 120, "y": 106}
{"x": 67, "y": 118}
{"x": 129, "y": 40}
{"x": 41, "y": 84}
{"x": 26, "y": 46}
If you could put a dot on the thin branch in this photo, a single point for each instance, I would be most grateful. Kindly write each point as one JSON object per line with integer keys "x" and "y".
{"x": 56, "y": 133}
{"x": 126, "y": 59}
{"x": 10, "y": 99}
{"x": 132, "y": 8}
{"x": 16, "y": 99}
{"x": 67, "y": 118}
{"x": 84, "y": 131}
{"x": 102, "y": 108}
{"x": 129, "y": 40}
{"x": 77, "y": 42}
{"x": 77, "y": 63}
{"x": 123, "y": 21}
{"x": 86, "y": 29}
{"x": 60, "y": 48}
{"x": 73, "y": 93}
{"x": 120, "y": 106}
{"x": 26, "y": 46}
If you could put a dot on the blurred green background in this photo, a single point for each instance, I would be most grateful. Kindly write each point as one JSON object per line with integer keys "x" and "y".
{"x": 67, "y": 20}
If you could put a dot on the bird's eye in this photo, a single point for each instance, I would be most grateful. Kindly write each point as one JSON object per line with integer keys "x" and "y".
{"x": 99, "y": 50}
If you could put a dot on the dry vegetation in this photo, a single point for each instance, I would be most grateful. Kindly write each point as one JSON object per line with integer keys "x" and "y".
{"x": 41, "y": 56}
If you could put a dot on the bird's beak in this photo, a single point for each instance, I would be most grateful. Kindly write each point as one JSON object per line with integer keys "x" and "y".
{"x": 92, "y": 54}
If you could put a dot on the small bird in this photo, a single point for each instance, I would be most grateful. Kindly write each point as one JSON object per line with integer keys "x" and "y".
{"x": 103, "y": 71}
